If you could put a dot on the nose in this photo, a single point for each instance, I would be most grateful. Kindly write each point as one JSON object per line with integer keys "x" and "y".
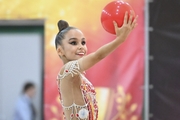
{"x": 80, "y": 46}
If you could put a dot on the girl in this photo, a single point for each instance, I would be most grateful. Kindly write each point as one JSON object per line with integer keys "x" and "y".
{"x": 77, "y": 95}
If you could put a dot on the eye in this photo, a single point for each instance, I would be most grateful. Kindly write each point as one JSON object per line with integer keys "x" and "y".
{"x": 83, "y": 43}
{"x": 73, "y": 43}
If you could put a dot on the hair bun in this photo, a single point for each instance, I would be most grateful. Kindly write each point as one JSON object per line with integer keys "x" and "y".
{"x": 62, "y": 25}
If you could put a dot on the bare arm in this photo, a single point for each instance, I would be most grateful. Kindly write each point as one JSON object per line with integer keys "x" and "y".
{"x": 121, "y": 35}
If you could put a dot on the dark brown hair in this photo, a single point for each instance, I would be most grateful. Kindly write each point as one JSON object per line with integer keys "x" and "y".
{"x": 28, "y": 86}
{"x": 63, "y": 27}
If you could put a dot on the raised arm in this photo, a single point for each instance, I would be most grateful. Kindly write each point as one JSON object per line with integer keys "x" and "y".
{"x": 121, "y": 34}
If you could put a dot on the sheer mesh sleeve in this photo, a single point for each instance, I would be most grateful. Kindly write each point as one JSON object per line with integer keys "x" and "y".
{"x": 71, "y": 68}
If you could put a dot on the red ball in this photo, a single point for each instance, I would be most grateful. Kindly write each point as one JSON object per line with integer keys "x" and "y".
{"x": 114, "y": 11}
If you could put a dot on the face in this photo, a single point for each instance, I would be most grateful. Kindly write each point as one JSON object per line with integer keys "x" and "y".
{"x": 73, "y": 45}
{"x": 32, "y": 92}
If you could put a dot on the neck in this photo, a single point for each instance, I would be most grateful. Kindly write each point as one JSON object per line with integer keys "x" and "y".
{"x": 28, "y": 95}
{"x": 65, "y": 61}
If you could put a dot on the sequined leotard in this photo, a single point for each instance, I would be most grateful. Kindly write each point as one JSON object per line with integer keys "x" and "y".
{"x": 88, "y": 111}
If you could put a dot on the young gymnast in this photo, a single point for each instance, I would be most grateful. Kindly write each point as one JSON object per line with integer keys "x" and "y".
{"x": 77, "y": 94}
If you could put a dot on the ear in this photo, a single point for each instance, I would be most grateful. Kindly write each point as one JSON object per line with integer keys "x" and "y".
{"x": 60, "y": 51}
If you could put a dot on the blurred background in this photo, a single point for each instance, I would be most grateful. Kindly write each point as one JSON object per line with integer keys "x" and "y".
{"x": 139, "y": 81}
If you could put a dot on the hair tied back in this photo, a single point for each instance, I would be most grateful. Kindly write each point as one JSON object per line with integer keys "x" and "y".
{"x": 62, "y": 25}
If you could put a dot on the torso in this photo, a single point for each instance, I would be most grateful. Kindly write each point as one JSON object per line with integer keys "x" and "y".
{"x": 77, "y": 96}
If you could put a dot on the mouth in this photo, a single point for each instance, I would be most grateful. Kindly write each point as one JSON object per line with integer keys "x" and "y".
{"x": 81, "y": 54}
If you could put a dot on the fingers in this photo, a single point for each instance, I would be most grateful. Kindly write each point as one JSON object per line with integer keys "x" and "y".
{"x": 130, "y": 21}
{"x": 115, "y": 25}
{"x": 125, "y": 18}
{"x": 134, "y": 23}
{"x": 131, "y": 17}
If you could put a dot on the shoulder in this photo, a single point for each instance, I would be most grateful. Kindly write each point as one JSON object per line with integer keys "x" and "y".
{"x": 21, "y": 103}
{"x": 71, "y": 68}
{"x": 23, "y": 100}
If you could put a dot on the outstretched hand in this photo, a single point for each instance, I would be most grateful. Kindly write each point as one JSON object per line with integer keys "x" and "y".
{"x": 121, "y": 35}
{"x": 127, "y": 27}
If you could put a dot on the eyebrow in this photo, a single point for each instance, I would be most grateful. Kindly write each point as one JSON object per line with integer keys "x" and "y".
{"x": 76, "y": 39}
